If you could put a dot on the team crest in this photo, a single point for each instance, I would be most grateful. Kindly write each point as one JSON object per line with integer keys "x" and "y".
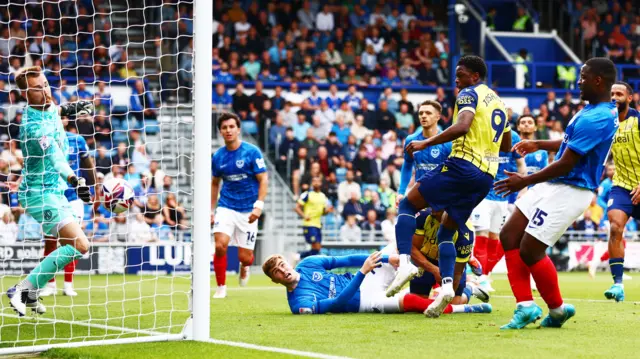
{"x": 538, "y": 157}
{"x": 240, "y": 163}
{"x": 317, "y": 276}
{"x": 48, "y": 215}
{"x": 435, "y": 152}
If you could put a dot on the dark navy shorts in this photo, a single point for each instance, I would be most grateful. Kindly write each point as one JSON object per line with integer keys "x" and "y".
{"x": 455, "y": 186}
{"x": 422, "y": 285}
{"x": 620, "y": 198}
{"x": 312, "y": 234}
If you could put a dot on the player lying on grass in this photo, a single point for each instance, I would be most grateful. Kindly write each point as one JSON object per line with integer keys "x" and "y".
{"x": 45, "y": 176}
{"x": 313, "y": 289}
{"x": 425, "y": 255}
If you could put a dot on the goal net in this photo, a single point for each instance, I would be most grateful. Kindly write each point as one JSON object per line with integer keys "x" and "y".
{"x": 134, "y": 60}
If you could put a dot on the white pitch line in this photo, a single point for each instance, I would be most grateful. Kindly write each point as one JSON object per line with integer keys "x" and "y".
{"x": 275, "y": 349}
{"x": 86, "y": 324}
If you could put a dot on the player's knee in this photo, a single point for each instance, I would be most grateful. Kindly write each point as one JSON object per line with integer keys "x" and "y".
{"x": 406, "y": 207}
{"x": 82, "y": 245}
{"x": 221, "y": 249}
{"x": 616, "y": 232}
{"x": 245, "y": 258}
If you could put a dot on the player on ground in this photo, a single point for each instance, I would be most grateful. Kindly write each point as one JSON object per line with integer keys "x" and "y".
{"x": 563, "y": 191}
{"x": 424, "y": 253}
{"x": 311, "y": 206}
{"x": 237, "y": 207}
{"x": 428, "y": 159}
{"x": 492, "y": 213}
{"x": 624, "y": 198}
{"x": 79, "y": 160}
{"x": 45, "y": 176}
{"x": 313, "y": 289}
{"x": 462, "y": 181}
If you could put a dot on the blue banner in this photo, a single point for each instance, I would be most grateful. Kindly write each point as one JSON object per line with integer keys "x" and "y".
{"x": 169, "y": 258}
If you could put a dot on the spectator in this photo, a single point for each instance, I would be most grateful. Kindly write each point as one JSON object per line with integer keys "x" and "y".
{"x": 40, "y": 49}
{"x": 447, "y": 112}
{"x": 277, "y": 131}
{"x": 384, "y": 119}
{"x": 289, "y": 143}
{"x": 392, "y": 176}
{"x": 350, "y": 149}
{"x": 333, "y": 55}
{"x": 523, "y": 21}
{"x": 376, "y": 204}
{"x": 443, "y": 74}
{"x": 345, "y": 189}
{"x": 140, "y": 158}
{"x": 258, "y": 98}
{"x": 300, "y": 165}
{"x": 132, "y": 176}
{"x": 365, "y": 167}
{"x": 152, "y": 211}
{"x": 387, "y": 195}
{"x": 426, "y": 74}
{"x": 404, "y": 121}
{"x": 334, "y": 148}
{"x": 389, "y": 143}
{"x": 8, "y": 229}
{"x": 301, "y": 127}
{"x": 346, "y": 113}
{"x": 174, "y": 215}
{"x": 354, "y": 208}
{"x": 542, "y": 132}
{"x": 369, "y": 59}
{"x": 326, "y": 163}
{"x": 371, "y": 227}
{"x": 310, "y": 142}
{"x": 341, "y": 130}
{"x": 324, "y": 20}
{"x": 12, "y": 155}
{"x": 586, "y": 224}
{"x": 103, "y": 161}
{"x": 358, "y": 130}
{"x": 294, "y": 96}
{"x": 408, "y": 73}
{"x": 306, "y": 16}
{"x": 142, "y": 106}
{"x": 129, "y": 71}
{"x": 220, "y": 99}
{"x": 314, "y": 171}
{"x": 252, "y": 66}
{"x": 352, "y": 99}
{"x": 388, "y": 226}
{"x": 156, "y": 176}
{"x": 14, "y": 126}
{"x": 349, "y": 231}
{"x": 102, "y": 99}
{"x": 326, "y": 114}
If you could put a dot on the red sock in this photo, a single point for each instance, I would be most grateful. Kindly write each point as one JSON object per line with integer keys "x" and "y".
{"x": 518, "y": 274}
{"x": 495, "y": 253}
{"x": 480, "y": 250}
{"x": 605, "y": 257}
{"x": 448, "y": 309}
{"x": 48, "y": 249}
{"x": 68, "y": 271}
{"x": 546, "y": 277}
{"x": 251, "y": 261}
{"x": 220, "y": 268}
{"x": 415, "y": 303}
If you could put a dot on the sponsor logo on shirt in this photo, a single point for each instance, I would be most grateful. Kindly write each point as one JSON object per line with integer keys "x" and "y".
{"x": 332, "y": 287}
{"x": 44, "y": 142}
{"x": 426, "y": 166}
{"x": 260, "y": 162}
{"x": 234, "y": 178}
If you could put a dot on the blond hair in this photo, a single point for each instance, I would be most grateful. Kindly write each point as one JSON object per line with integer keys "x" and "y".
{"x": 26, "y": 73}
{"x": 270, "y": 263}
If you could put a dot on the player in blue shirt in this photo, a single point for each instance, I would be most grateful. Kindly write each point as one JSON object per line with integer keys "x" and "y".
{"x": 492, "y": 213}
{"x": 538, "y": 160}
{"x": 562, "y": 192}
{"x": 429, "y": 158}
{"x": 82, "y": 165}
{"x": 313, "y": 289}
{"x": 237, "y": 207}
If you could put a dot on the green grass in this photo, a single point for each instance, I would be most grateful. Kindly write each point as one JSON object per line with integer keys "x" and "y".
{"x": 259, "y": 315}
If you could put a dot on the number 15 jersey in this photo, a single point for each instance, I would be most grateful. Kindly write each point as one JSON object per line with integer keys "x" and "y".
{"x": 481, "y": 145}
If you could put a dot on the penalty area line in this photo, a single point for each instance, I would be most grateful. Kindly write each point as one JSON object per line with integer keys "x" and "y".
{"x": 275, "y": 349}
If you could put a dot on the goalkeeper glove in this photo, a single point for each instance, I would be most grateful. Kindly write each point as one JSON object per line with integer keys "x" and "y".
{"x": 80, "y": 108}
{"x": 81, "y": 188}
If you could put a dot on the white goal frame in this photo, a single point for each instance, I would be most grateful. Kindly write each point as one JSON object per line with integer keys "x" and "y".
{"x": 197, "y": 327}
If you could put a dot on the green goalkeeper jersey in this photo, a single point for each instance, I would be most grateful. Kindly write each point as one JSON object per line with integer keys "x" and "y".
{"x": 44, "y": 145}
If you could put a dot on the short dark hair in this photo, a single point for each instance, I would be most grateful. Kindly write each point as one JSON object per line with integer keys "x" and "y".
{"x": 524, "y": 116}
{"x": 603, "y": 67}
{"x": 626, "y": 85}
{"x": 228, "y": 116}
{"x": 433, "y": 103}
{"x": 475, "y": 64}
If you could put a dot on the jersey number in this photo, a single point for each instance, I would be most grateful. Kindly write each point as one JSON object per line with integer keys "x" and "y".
{"x": 538, "y": 217}
{"x": 251, "y": 237}
{"x": 498, "y": 122}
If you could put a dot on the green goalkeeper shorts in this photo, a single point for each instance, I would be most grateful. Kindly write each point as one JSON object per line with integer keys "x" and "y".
{"x": 50, "y": 209}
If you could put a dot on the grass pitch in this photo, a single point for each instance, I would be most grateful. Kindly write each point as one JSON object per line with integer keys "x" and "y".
{"x": 259, "y": 315}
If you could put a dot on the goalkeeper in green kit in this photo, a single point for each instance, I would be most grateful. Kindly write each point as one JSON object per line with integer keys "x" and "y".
{"x": 45, "y": 176}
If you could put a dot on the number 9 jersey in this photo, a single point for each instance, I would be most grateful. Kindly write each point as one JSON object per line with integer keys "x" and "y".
{"x": 481, "y": 145}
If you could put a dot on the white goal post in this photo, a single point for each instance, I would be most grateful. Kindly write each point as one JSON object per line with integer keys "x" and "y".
{"x": 129, "y": 290}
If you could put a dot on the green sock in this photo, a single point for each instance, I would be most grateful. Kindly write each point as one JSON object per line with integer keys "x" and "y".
{"x": 54, "y": 262}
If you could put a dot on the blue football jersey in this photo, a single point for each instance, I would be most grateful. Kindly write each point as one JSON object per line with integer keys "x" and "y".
{"x": 423, "y": 161}
{"x": 314, "y": 100}
{"x": 78, "y": 151}
{"x": 536, "y": 161}
{"x": 507, "y": 163}
{"x": 238, "y": 170}
{"x": 590, "y": 134}
{"x": 318, "y": 288}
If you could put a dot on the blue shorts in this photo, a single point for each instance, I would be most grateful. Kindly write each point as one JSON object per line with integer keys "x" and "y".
{"x": 455, "y": 186}
{"x": 422, "y": 285}
{"x": 620, "y": 198}
{"x": 312, "y": 235}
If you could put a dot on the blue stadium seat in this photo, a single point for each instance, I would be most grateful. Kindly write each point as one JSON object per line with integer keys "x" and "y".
{"x": 369, "y": 186}
{"x": 249, "y": 127}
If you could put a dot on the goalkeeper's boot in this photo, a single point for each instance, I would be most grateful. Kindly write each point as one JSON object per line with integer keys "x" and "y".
{"x": 437, "y": 307}
{"x": 68, "y": 290}
{"x": 49, "y": 290}
{"x": 245, "y": 273}
{"x": 524, "y": 316}
{"x": 20, "y": 301}
{"x": 221, "y": 292}
{"x": 556, "y": 322}
{"x": 616, "y": 292}
{"x": 404, "y": 274}
{"x": 478, "y": 308}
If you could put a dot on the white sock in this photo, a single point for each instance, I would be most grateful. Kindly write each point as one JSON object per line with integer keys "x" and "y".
{"x": 557, "y": 312}
{"x": 68, "y": 285}
{"x": 458, "y": 308}
{"x": 526, "y": 303}
{"x": 447, "y": 285}
{"x": 26, "y": 284}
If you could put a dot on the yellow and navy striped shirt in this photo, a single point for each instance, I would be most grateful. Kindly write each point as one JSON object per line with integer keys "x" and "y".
{"x": 428, "y": 226}
{"x": 625, "y": 150}
{"x": 313, "y": 204}
{"x": 481, "y": 145}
